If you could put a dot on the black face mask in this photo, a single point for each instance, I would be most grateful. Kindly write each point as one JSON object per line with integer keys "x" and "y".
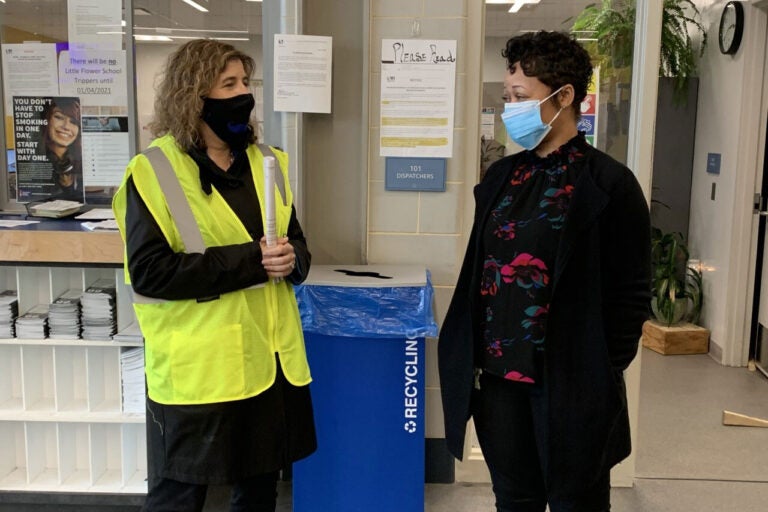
{"x": 228, "y": 118}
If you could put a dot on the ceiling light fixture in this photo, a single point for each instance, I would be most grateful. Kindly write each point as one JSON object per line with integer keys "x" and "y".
{"x": 165, "y": 29}
{"x": 143, "y": 37}
{"x": 213, "y": 37}
{"x": 195, "y": 5}
{"x": 520, "y": 3}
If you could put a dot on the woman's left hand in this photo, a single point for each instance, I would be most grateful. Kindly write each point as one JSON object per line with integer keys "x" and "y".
{"x": 278, "y": 260}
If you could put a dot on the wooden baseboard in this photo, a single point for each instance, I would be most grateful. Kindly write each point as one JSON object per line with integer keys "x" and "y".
{"x": 682, "y": 338}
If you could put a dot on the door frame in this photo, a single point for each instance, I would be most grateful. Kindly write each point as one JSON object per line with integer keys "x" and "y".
{"x": 741, "y": 301}
{"x": 755, "y": 277}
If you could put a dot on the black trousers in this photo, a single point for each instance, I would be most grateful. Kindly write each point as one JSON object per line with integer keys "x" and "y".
{"x": 257, "y": 494}
{"x": 511, "y": 424}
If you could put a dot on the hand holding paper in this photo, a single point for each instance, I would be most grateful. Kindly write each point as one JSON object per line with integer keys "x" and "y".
{"x": 279, "y": 260}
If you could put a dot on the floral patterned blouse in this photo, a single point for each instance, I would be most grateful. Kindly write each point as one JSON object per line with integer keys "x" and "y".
{"x": 520, "y": 241}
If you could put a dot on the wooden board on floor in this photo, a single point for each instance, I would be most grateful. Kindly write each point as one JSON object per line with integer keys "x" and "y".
{"x": 742, "y": 420}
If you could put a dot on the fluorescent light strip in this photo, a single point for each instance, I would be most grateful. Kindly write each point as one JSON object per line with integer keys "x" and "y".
{"x": 216, "y": 38}
{"x": 520, "y": 3}
{"x": 141, "y": 37}
{"x": 195, "y": 5}
{"x": 192, "y": 30}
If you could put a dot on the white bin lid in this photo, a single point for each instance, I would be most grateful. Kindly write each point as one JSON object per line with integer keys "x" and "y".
{"x": 364, "y": 275}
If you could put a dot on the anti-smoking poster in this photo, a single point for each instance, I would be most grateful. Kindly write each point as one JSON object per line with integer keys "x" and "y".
{"x": 48, "y": 143}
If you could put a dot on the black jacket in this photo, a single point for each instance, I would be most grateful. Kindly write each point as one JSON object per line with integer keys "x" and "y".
{"x": 600, "y": 299}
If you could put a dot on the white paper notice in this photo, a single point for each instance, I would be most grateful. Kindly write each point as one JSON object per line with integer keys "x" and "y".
{"x": 95, "y": 24}
{"x": 418, "y": 79}
{"x": 29, "y": 70}
{"x": 97, "y": 77}
{"x": 105, "y": 150}
{"x": 303, "y": 73}
{"x": 488, "y": 123}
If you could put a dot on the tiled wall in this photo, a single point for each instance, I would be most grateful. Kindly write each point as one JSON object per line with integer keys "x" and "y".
{"x": 428, "y": 228}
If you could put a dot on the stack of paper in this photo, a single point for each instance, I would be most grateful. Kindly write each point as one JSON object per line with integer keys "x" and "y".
{"x": 131, "y": 334}
{"x": 109, "y": 224}
{"x": 57, "y": 208}
{"x": 9, "y": 310}
{"x": 33, "y": 324}
{"x": 64, "y": 316}
{"x": 132, "y": 375}
{"x": 99, "y": 318}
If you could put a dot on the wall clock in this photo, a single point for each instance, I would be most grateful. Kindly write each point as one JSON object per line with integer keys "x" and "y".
{"x": 731, "y": 27}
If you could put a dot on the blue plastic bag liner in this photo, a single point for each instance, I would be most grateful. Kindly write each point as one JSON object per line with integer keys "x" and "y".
{"x": 373, "y": 301}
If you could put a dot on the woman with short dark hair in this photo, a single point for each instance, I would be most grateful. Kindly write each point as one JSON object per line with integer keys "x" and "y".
{"x": 551, "y": 297}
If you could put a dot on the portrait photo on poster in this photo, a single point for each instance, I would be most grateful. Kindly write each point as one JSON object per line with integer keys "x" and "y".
{"x": 48, "y": 144}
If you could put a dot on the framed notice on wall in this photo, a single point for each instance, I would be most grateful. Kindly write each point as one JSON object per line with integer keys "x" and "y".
{"x": 418, "y": 83}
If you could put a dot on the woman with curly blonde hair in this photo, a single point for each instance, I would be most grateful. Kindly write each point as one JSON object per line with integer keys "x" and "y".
{"x": 228, "y": 397}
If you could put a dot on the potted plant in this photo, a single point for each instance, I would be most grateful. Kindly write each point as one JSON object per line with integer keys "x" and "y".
{"x": 677, "y": 299}
{"x": 677, "y": 287}
{"x": 614, "y": 28}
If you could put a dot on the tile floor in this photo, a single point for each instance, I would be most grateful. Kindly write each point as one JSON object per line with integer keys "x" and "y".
{"x": 686, "y": 459}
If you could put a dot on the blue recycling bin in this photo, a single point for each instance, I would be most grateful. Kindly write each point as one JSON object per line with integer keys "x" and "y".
{"x": 364, "y": 329}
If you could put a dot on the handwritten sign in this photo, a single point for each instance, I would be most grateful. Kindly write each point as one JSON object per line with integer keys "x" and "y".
{"x": 418, "y": 82}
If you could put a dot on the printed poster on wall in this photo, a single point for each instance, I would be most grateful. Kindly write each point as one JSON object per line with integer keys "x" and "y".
{"x": 28, "y": 69}
{"x": 302, "y": 71}
{"x": 98, "y": 78}
{"x": 588, "y": 121}
{"x": 418, "y": 82}
{"x": 95, "y": 24}
{"x": 48, "y": 146}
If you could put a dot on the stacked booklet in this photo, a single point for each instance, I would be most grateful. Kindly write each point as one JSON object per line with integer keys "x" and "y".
{"x": 9, "y": 310}
{"x": 33, "y": 324}
{"x": 132, "y": 376}
{"x": 55, "y": 209}
{"x": 64, "y": 316}
{"x": 99, "y": 318}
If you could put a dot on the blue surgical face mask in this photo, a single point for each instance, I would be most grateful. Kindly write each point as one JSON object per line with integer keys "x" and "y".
{"x": 523, "y": 122}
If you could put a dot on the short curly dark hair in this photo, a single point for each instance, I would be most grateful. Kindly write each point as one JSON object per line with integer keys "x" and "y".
{"x": 554, "y": 58}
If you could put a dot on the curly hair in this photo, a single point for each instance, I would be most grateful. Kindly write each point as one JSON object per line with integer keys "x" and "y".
{"x": 190, "y": 73}
{"x": 554, "y": 58}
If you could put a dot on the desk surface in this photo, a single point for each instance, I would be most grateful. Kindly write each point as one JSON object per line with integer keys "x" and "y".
{"x": 58, "y": 242}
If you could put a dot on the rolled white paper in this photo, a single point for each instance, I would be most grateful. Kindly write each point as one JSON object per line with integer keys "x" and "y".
{"x": 270, "y": 231}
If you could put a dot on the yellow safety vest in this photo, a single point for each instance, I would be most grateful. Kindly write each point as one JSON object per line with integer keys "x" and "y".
{"x": 224, "y": 349}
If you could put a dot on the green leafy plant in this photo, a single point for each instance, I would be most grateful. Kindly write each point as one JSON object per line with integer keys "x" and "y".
{"x": 614, "y": 28}
{"x": 677, "y": 288}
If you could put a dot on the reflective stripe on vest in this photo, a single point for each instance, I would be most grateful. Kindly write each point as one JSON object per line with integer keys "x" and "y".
{"x": 180, "y": 209}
